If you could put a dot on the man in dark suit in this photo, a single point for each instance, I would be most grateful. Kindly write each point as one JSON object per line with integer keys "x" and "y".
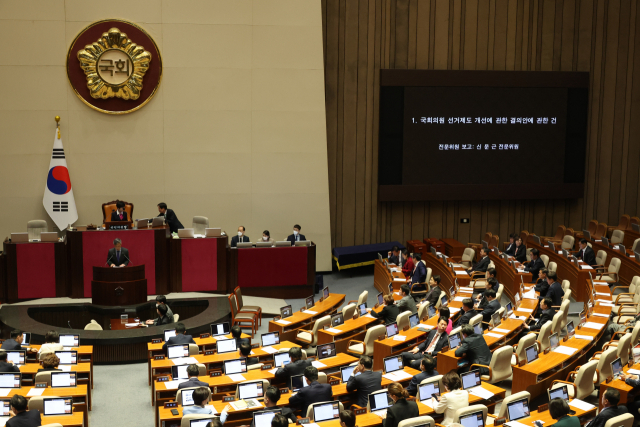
{"x": 271, "y": 397}
{"x": 179, "y": 338}
{"x": 239, "y": 238}
{"x": 546, "y": 316}
{"x": 586, "y": 253}
{"x": 20, "y": 416}
{"x": 510, "y": 250}
{"x": 535, "y": 265}
{"x": 245, "y": 352}
{"x": 474, "y": 348}
{"x": 492, "y": 306}
{"x": 407, "y": 303}
{"x": 633, "y": 381}
{"x": 314, "y": 391}
{"x": 434, "y": 294}
{"x": 117, "y": 255}
{"x": 296, "y": 236}
{"x": 610, "y": 408}
{"x": 468, "y": 312}
{"x": 15, "y": 342}
{"x": 520, "y": 253}
{"x": 483, "y": 264}
{"x": 542, "y": 286}
{"x": 162, "y": 319}
{"x": 365, "y": 383}
{"x": 555, "y": 291}
{"x": 436, "y": 339}
{"x": 170, "y": 217}
{"x": 236, "y": 332}
{"x": 296, "y": 367}
{"x": 394, "y": 255}
{"x": 389, "y": 312}
{"x": 428, "y": 370}
{"x": 7, "y": 366}
{"x": 119, "y": 214}
{"x": 193, "y": 381}
{"x": 490, "y": 285}
{"x": 419, "y": 274}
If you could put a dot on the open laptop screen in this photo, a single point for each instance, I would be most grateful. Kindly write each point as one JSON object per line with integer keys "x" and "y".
{"x": 5, "y": 408}
{"x": 57, "y": 405}
{"x": 67, "y": 357}
{"x": 345, "y": 373}
{"x": 337, "y": 320}
{"x": 297, "y": 382}
{"x": 532, "y": 353}
{"x": 414, "y": 320}
{"x": 472, "y": 420}
{"x": 200, "y": 422}
{"x": 571, "y": 331}
{"x": 432, "y": 311}
{"x": 187, "y": 397}
{"x": 380, "y": 400}
{"x": 218, "y": 329}
{"x": 326, "y": 350}
{"x": 553, "y": 341}
{"x": 393, "y": 363}
{"x": 168, "y": 333}
{"x": 235, "y": 366}
{"x": 26, "y": 339}
{"x": 392, "y": 329}
{"x": 454, "y": 341}
{"x": 477, "y": 328}
{"x": 470, "y": 379}
{"x": 309, "y": 302}
{"x": 280, "y": 358}
{"x": 560, "y": 392}
{"x": 380, "y": 298}
{"x": 63, "y": 379}
{"x": 69, "y": 340}
{"x": 10, "y": 380}
{"x": 616, "y": 368}
{"x": 16, "y": 356}
{"x": 272, "y": 338}
{"x": 518, "y": 409}
{"x": 325, "y": 293}
{"x": 263, "y": 418}
{"x": 252, "y": 390}
{"x": 225, "y": 346}
{"x": 326, "y": 411}
{"x": 178, "y": 350}
{"x": 426, "y": 390}
{"x": 363, "y": 308}
{"x": 179, "y": 372}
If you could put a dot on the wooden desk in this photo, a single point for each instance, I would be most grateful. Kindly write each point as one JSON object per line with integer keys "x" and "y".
{"x": 630, "y": 236}
{"x": 619, "y": 385}
{"x": 199, "y": 265}
{"x": 352, "y": 329}
{"x": 117, "y": 325}
{"x": 382, "y": 277}
{"x": 629, "y": 267}
{"x": 83, "y": 370}
{"x": 447, "y": 276}
{"x": 416, "y": 246}
{"x": 510, "y": 278}
{"x": 388, "y": 346}
{"x": 453, "y": 248}
{"x": 80, "y": 395}
{"x": 74, "y": 420}
{"x": 300, "y": 320}
{"x": 545, "y": 416}
{"x": 85, "y": 355}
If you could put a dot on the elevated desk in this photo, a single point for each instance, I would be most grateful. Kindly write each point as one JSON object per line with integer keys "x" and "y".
{"x": 119, "y": 286}
{"x": 630, "y": 236}
{"x": 357, "y": 256}
{"x": 453, "y": 248}
{"x": 448, "y": 277}
{"x": 510, "y": 278}
{"x": 273, "y": 272}
{"x": 382, "y": 277}
{"x": 80, "y": 395}
{"x": 629, "y": 267}
{"x": 199, "y": 265}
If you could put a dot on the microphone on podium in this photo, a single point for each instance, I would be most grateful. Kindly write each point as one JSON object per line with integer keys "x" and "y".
{"x": 127, "y": 258}
{"x": 107, "y": 263}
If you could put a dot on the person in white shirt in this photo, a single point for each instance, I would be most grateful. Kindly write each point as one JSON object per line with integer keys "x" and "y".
{"x": 51, "y": 343}
{"x": 201, "y": 396}
{"x": 452, "y": 401}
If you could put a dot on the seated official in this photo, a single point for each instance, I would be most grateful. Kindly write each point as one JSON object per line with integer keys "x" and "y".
{"x": 390, "y": 311}
{"x": 634, "y": 405}
{"x": 15, "y": 342}
{"x": 483, "y": 264}
{"x": 490, "y": 285}
{"x": 433, "y": 295}
{"x": 118, "y": 256}
{"x": 7, "y": 366}
{"x": 511, "y": 248}
{"x": 467, "y": 312}
{"x": 271, "y": 397}
{"x": 586, "y": 253}
{"x": 245, "y": 352}
{"x": 50, "y": 362}
{"x": 555, "y": 291}
{"x": 610, "y": 408}
{"x": 314, "y": 392}
{"x": 279, "y": 420}
{"x": 364, "y": 384}
{"x": 475, "y": 349}
{"x": 492, "y": 306}
{"x": 19, "y": 414}
{"x": 407, "y": 303}
{"x": 236, "y": 333}
{"x": 407, "y": 263}
{"x": 419, "y": 274}
{"x": 119, "y": 214}
{"x": 162, "y": 300}
{"x": 201, "y": 397}
{"x": 181, "y": 337}
{"x": 51, "y": 343}
{"x": 402, "y": 409}
{"x": 192, "y": 373}
{"x": 520, "y": 253}
{"x": 296, "y": 367}
{"x": 170, "y": 218}
{"x": 535, "y": 265}
{"x": 296, "y": 236}
{"x": 239, "y": 238}
{"x": 546, "y": 316}
{"x": 162, "y": 319}
{"x": 433, "y": 343}
{"x": 428, "y": 368}
{"x": 542, "y": 285}
{"x": 445, "y": 313}
{"x": 347, "y": 418}
{"x": 454, "y": 398}
{"x": 559, "y": 411}
{"x": 394, "y": 255}
{"x": 266, "y": 237}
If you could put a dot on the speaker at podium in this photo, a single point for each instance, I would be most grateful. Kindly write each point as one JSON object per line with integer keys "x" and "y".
{"x": 119, "y": 286}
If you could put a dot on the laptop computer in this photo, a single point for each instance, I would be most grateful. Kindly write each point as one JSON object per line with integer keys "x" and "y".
{"x": 496, "y": 319}
{"x": 325, "y": 293}
{"x": 392, "y": 364}
{"x": 57, "y": 406}
{"x": 280, "y": 358}
{"x": 19, "y": 237}
{"x": 363, "y": 309}
{"x": 326, "y": 411}
{"x": 518, "y": 409}
{"x": 213, "y": 232}
{"x": 48, "y": 236}
{"x": 345, "y": 373}
{"x": 571, "y": 331}
{"x": 380, "y": 298}
{"x": 485, "y": 244}
{"x": 272, "y": 338}
{"x": 157, "y": 221}
{"x": 390, "y": 287}
{"x": 283, "y": 243}
{"x": 235, "y": 366}
{"x": 477, "y": 328}
{"x": 554, "y": 341}
{"x": 309, "y": 302}
{"x": 226, "y": 346}
{"x": 218, "y": 329}
{"x": 241, "y": 245}
{"x": 470, "y": 379}
{"x": 337, "y": 320}
{"x": 187, "y": 397}
{"x": 26, "y": 339}
{"x": 552, "y": 246}
{"x": 426, "y": 391}
{"x": 586, "y": 234}
{"x": 616, "y": 368}
{"x": 178, "y": 351}
{"x": 565, "y": 253}
{"x": 263, "y": 418}
{"x": 285, "y": 311}
{"x": 179, "y": 372}
{"x": 5, "y": 408}
{"x": 18, "y": 357}
{"x": 251, "y": 390}
{"x": 297, "y": 382}
{"x": 508, "y": 309}
{"x": 303, "y": 243}
{"x": 168, "y": 333}
{"x": 444, "y": 301}
{"x": 142, "y": 223}
{"x": 605, "y": 241}
{"x": 10, "y": 380}
{"x": 562, "y": 393}
{"x": 622, "y": 249}
{"x": 264, "y": 244}
{"x": 532, "y": 353}
{"x": 379, "y": 402}
{"x": 186, "y": 233}
{"x": 474, "y": 419}
{"x": 431, "y": 311}
{"x": 414, "y": 320}
{"x": 63, "y": 379}
{"x": 325, "y": 351}
{"x": 70, "y": 340}
{"x": 454, "y": 341}
{"x": 392, "y": 329}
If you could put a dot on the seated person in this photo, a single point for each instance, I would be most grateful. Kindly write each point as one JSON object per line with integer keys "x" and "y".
{"x": 586, "y": 253}
{"x": 401, "y": 409}
{"x": 7, "y": 366}
{"x": 51, "y": 343}
{"x": 296, "y": 236}
{"x": 119, "y": 214}
{"x": 364, "y": 384}
{"x": 474, "y": 348}
{"x": 481, "y": 300}
{"x": 428, "y": 368}
{"x": 236, "y": 333}
{"x": 314, "y": 392}
{"x": 546, "y": 315}
{"x": 245, "y": 351}
{"x": 201, "y": 397}
{"x": 296, "y": 367}
{"x": 240, "y": 238}
{"x": 192, "y": 373}
{"x": 347, "y": 418}
{"x": 434, "y": 342}
{"x": 492, "y": 306}
{"x": 542, "y": 286}
{"x": 49, "y": 362}
{"x": 511, "y": 247}
{"x": 454, "y": 398}
{"x": 15, "y": 342}
{"x": 271, "y": 397}
{"x": 181, "y": 337}
{"x": 390, "y": 311}
{"x": 162, "y": 319}
{"x": 407, "y": 263}
{"x": 481, "y": 265}
{"x": 535, "y": 265}
{"x": 279, "y": 420}
{"x": 559, "y": 411}
{"x": 445, "y": 313}
{"x": 266, "y": 237}
{"x": 20, "y": 416}
{"x": 162, "y": 300}
{"x": 521, "y": 251}
{"x": 118, "y": 256}
{"x": 467, "y": 312}
{"x": 394, "y": 255}
{"x": 407, "y": 303}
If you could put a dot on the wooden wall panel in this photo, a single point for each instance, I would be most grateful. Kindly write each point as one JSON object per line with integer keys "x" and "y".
{"x": 363, "y": 36}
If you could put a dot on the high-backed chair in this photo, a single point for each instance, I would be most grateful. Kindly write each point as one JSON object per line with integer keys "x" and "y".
{"x": 36, "y": 227}
{"x": 500, "y": 291}
{"x": 348, "y": 311}
{"x": 505, "y": 402}
{"x": 616, "y": 237}
{"x": 403, "y": 320}
{"x": 199, "y": 224}
{"x": 495, "y": 241}
{"x": 366, "y": 347}
{"x": 241, "y": 319}
{"x": 583, "y": 380}
{"x": 475, "y": 319}
{"x": 601, "y": 231}
{"x": 423, "y": 310}
{"x": 623, "y": 347}
{"x": 419, "y": 290}
{"x": 468, "y": 256}
{"x": 591, "y": 228}
{"x": 362, "y": 298}
{"x": 601, "y": 258}
{"x": 545, "y": 260}
{"x": 309, "y": 413}
{"x": 556, "y": 323}
{"x": 604, "y": 363}
{"x": 109, "y": 207}
{"x": 553, "y": 266}
{"x": 470, "y": 410}
{"x": 625, "y": 420}
{"x": 567, "y": 242}
{"x": 519, "y": 349}
{"x": 623, "y": 224}
{"x": 311, "y": 337}
{"x": 611, "y": 275}
{"x": 477, "y": 246}
{"x": 543, "y": 336}
{"x": 36, "y": 402}
{"x": 500, "y": 366}
{"x": 247, "y": 308}
{"x": 632, "y": 290}
{"x": 564, "y": 309}
{"x": 43, "y": 377}
{"x": 424, "y": 420}
{"x": 636, "y": 245}
{"x": 186, "y": 419}
{"x": 176, "y": 317}
{"x": 560, "y": 232}
{"x": 93, "y": 326}
{"x": 626, "y": 311}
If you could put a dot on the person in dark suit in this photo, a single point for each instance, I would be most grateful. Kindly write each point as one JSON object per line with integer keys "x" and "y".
{"x": 586, "y": 253}
{"x": 428, "y": 368}
{"x": 296, "y": 367}
{"x": 555, "y": 291}
{"x": 271, "y": 397}
{"x": 117, "y": 255}
{"x": 474, "y": 348}
{"x": 633, "y": 381}
{"x": 162, "y": 319}
{"x": 7, "y": 366}
{"x": 490, "y": 285}
{"x": 119, "y": 214}
{"x": 390, "y": 311}
{"x": 401, "y": 409}
{"x": 170, "y": 218}
{"x": 15, "y": 342}
{"x": 162, "y": 300}
{"x": 245, "y": 352}
{"x": 179, "y": 338}
{"x": 436, "y": 339}
{"x": 296, "y": 236}
{"x": 610, "y": 408}
{"x": 492, "y": 306}
{"x": 468, "y": 312}
{"x": 434, "y": 294}
{"x": 314, "y": 391}
{"x": 520, "y": 253}
{"x": 365, "y": 383}
{"x": 535, "y": 265}
{"x": 546, "y": 316}
{"x": 239, "y": 238}
{"x": 483, "y": 264}
{"x": 542, "y": 285}
{"x": 511, "y": 247}
{"x": 393, "y": 256}
{"x": 419, "y": 271}
{"x": 193, "y": 381}
{"x": 20, "y": 416}
{"x": 236, "y": 332}
{"x": 559, "y": 410}
{"x": 50, "y": 362}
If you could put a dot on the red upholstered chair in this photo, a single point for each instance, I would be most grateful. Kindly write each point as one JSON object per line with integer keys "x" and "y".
{"x": 247, "y": 308}
{"x": 560, "y": 232}
{"x": 625, "y": 222}
{"x": 601, "y": 231}
{"x": 242, "y": 318}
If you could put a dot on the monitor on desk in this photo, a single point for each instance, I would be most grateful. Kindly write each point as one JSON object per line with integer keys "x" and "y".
{"x": 477, "y": 328}
{"x": 10, "y": 380}
{"x": 16, "y": 356}
{"x": 263, "y": 418}
{"x": 168, "y": 333}
{"x": 518, "y": 409}
{"x": 363, "y": 309}
{"x": 218, "y": 329}
{"x": 380, "y": 257}
{"x": 508, "y": 309}
{"x": 554, "y": 341}
{"x": 67, "y": 357}
{"x": 309, "y": 302}
{"x": 240, "y": 245}
{"x": 390, "y": 287}
{"x": 444, "y": 301}
{"x": 284, "y": 243}
{"x": 433, "y": 251}
{"x": 179, "y": 372}
{"x": 380, "y": 298}
{"x": 57, "y": 406}
{"x": 470, "y": 379}
{"x": 19, "y": 237}
{"x": 571, "y": 331}
{"x": 472, "y": 420}
{"x": 532, "y": 353}
{"x": 264, "y": 244}
{"x": 432, "y": 311}
{"x": 186, "y": 233}
{"x": 5, "y": 408}
{"x": 616, "y": 368}
{"x": 565, "y": 253}
{"x": 226, "y": 346}
{"x": 454, "y": 341}
{"x": 622, "y": 249}
{"x": 495, "y": 319}
{"x": 392, "y": 329}
{"x": 586, "y": 234}
{"x": 325, "y": 351}
{"x": 496, "y": 251}
{"x": 63, "y": 379}
{"x": 26, "y": 339}
{"x": 536, "y": 239}
{"x": 213, "y": 232}
{"x": 392, "y": 364}
{"x": 70, "y": 340}
{"x": 187, "y": 397}
{"x": 251, "y": 390}
{"x": 337, "y": 320}
{"x": 177, "y": 351}
{"x": 552, "y": 247}
{"x": 303, "y": 243}
{"x": 157, "y": 221}
{"x": 235, "y": 366}
{"x": 452, "y": 292}
{"x": 325, "y": 293}
{"x": 414, "y": 320}
{"x": 485, "y": 244}
{"x": 559, "y": 392}
{"x": 297, "y": 382}
{"x": 326, "y": 411}
{"x": 426, "y": 391}
{"x": 346, "y": 371}
{"x": 637, "y": 255}
{"x": 280, "y": 358}
{"x": 271, "y": 338}
{"x": 285, "y": 311}
{"x": 635, "y": 227}
{"x": 380, "y": 400}
{"x": 605, "y": 241}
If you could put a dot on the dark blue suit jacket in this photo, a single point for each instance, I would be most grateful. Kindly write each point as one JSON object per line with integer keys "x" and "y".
{"x": 556, "y": 293}
{"x": 419, "y": 274}
{"x": 178, "y": 339}
{"x": 415, "y": 381}
{"x": 291, "y": 238}
{"x": 313, "y": 393}
{"x": 193, "y": 382}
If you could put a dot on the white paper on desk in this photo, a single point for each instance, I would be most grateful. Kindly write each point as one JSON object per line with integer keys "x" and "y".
{"x": 600, "y": 315}
{"x": 237, "y": 378}
{"x": 310, "y": 312}
{"x": 598, "y": 240}
{"x": 3, "y": 421}
{"x": 465, "y": 289}
{"x": 592, "y": 325}
{"x": 273, "y": 371}
{"x": 4, "y": 391}
{"x": 453, "y": 310}
{"x": 457, "y": 265}
{"x": 462, "y": 272}
{"x": 312, "y": 425}
{"x": 428, "y": 402}
{"x": 513, "y": 316}
{"x": 605, "y": 301}
{"x": 616, "y": 247}
{"x": 185, "y": 361}
{"x": 504, "y": 331}
{"x": 36, "y": 392}
{"x": 65, "y": 368}
{"x": 515, "y": 424}
{"x": 526, "y": 310}
{"x": 402, "y": 375}
{"x": 395, "y": 279}
{"x": 481, "y": 392}
{"x": 601, "y": 283}
{"x": 283, "y": 322}
{"x": 425, "y": 328}
{"x": 369, "y": 315}
{"x": 334, "y": 330}
{"x": 584, "y": 337}
{"x": 581, "y": 404}
{"x": 529, "y": 295}
{"x": 459, "y": 298}
{"x": 390, "y": 376}
{"x": 491, "y": 334}
{"x": 605, "y": 304}
{"x": 131, "y": 325}
{"x": 213, "y": 410}
{"x": 520, "y": 270}
{"x": 602, "y": 293}
{"x": 633, "y": 371}
{"x": 172, "y": 385}
{"x": 586, "y": 267}
{"x": 318, "y": 364}
{"x": 565, "y": 350}
{"x": 560, "y": 252}
{"x": 269, "y": 349}
{"x": 399, "y": 338}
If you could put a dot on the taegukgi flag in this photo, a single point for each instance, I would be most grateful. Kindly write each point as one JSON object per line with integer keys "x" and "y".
{"x": 58, "y": 195}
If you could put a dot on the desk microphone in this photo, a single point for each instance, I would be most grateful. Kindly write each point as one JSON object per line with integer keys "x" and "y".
{"x": 127, "y": 258}
{"x": 107, "y": 263}
{"x": 69, "y": 323}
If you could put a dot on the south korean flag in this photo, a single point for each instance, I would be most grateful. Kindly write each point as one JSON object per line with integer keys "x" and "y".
{"x": 58, "y": 196}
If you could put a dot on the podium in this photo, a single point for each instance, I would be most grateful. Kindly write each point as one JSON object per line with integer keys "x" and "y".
{"x": 119, "y": 286}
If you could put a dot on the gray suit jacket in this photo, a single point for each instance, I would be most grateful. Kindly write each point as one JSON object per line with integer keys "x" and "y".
{"x": 407, "y": 303}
